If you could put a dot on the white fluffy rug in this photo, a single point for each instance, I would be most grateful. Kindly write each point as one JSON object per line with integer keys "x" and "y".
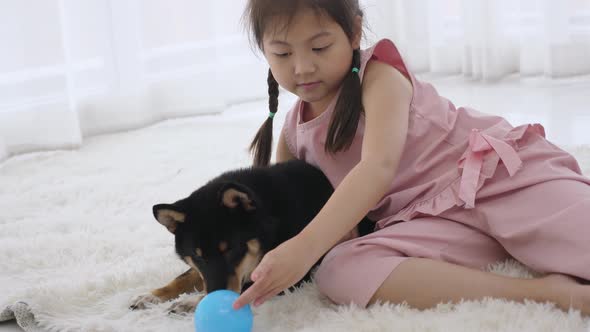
{"x": 78, "y": 241}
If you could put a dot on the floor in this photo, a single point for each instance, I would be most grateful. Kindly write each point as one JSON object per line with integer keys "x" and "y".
{"x": 562, "y": 107}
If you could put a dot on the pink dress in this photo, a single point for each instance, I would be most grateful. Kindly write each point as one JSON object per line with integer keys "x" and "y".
{"x": 470, "y": 189}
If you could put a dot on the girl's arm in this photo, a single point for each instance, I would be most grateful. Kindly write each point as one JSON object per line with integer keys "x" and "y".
{"x": 386, "y": 99}
{"x": 283, "y": 153}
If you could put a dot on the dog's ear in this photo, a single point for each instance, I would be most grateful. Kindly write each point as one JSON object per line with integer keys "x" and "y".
{"x": 233, "y": 195}
{"x": 169, "y": 215}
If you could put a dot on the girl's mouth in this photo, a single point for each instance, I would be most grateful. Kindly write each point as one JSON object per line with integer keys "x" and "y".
{"x": 309, "y": 86}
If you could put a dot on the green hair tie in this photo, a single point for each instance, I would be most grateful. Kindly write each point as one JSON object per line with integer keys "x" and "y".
{"x": 355, "y": 70}
{"x": 271, "y": 115}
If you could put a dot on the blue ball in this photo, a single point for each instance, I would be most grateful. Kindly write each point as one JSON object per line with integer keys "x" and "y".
{"x": 215, "y": 314}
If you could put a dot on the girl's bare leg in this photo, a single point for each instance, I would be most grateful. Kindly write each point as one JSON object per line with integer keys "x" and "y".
{"x": 423, "y": 283}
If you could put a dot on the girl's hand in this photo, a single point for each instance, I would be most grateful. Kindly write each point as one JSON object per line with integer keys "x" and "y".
{"x": 279, "y": 269}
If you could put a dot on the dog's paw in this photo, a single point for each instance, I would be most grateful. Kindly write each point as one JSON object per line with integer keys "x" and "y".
{"x": 186, "y": 305}
{"x": 143, "y": 301}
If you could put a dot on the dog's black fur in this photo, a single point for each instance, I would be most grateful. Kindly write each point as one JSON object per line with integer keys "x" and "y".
{"x": 245, "y": 212}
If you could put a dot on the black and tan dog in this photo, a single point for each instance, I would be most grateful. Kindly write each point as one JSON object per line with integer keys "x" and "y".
{"x": 223, "y": 229}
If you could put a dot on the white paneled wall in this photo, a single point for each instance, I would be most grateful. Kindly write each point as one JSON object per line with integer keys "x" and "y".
{"x": 74, "y": 68}
{"x": 71, "y": 68}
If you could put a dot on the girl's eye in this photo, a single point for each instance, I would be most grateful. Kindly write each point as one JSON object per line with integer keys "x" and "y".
{"x": 315, "y": 49}
{"x": 320, "y": 49}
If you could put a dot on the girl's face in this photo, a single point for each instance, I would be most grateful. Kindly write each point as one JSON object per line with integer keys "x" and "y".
{"x": 310, "y": 57}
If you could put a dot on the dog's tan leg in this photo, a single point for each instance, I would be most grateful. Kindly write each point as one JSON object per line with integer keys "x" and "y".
{"x": 188, "y": 282}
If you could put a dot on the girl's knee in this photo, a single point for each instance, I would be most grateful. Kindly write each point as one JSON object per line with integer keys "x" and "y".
{"x": 352, "y": 271}
{"x": 335, "y": 281}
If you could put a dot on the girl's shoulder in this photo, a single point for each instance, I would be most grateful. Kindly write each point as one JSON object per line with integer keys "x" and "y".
{"x": 378, "y": 71}
{"x": 384, "y": 69}
{"x": 386, "y": 52}
{"x": 381, "y": 79}
{"x": 384, "y": 87}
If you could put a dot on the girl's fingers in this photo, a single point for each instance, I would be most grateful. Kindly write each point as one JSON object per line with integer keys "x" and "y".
{"x": 249, "y": 295}
{"x": 259, "y": 272}
{"x": 264, "y": 268}
{"x": 267, "y": 296}
{"x": 255, "y": 291}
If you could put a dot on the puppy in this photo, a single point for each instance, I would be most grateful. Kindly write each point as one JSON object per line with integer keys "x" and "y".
{"x": 223, "y": 229}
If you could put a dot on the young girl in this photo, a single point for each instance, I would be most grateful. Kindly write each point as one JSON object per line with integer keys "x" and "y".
{"x": 451, "y": 190}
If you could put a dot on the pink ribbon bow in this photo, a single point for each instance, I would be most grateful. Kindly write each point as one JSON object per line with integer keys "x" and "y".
{"x": 479, "y": 145}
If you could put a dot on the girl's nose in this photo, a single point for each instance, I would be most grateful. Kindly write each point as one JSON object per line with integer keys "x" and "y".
{"x": 303, "y": 65}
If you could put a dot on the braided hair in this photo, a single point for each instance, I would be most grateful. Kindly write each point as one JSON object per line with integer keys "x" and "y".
{"x": 347, "y": 111}
{"x": 262, "y": 144}
{"x": 258, "y": 17}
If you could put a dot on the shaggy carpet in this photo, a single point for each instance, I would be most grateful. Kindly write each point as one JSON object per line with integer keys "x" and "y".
{"x": 78, "y": 241}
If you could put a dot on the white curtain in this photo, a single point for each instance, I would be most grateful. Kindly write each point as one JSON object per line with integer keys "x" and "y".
{"x": 487, "y": 39}
{"x": 73, "y": 68}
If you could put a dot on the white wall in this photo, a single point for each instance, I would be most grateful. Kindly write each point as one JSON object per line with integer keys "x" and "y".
{"x": 70, "y": 69}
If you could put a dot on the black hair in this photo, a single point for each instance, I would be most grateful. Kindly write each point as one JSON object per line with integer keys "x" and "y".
{"x": 348, "y": 109}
